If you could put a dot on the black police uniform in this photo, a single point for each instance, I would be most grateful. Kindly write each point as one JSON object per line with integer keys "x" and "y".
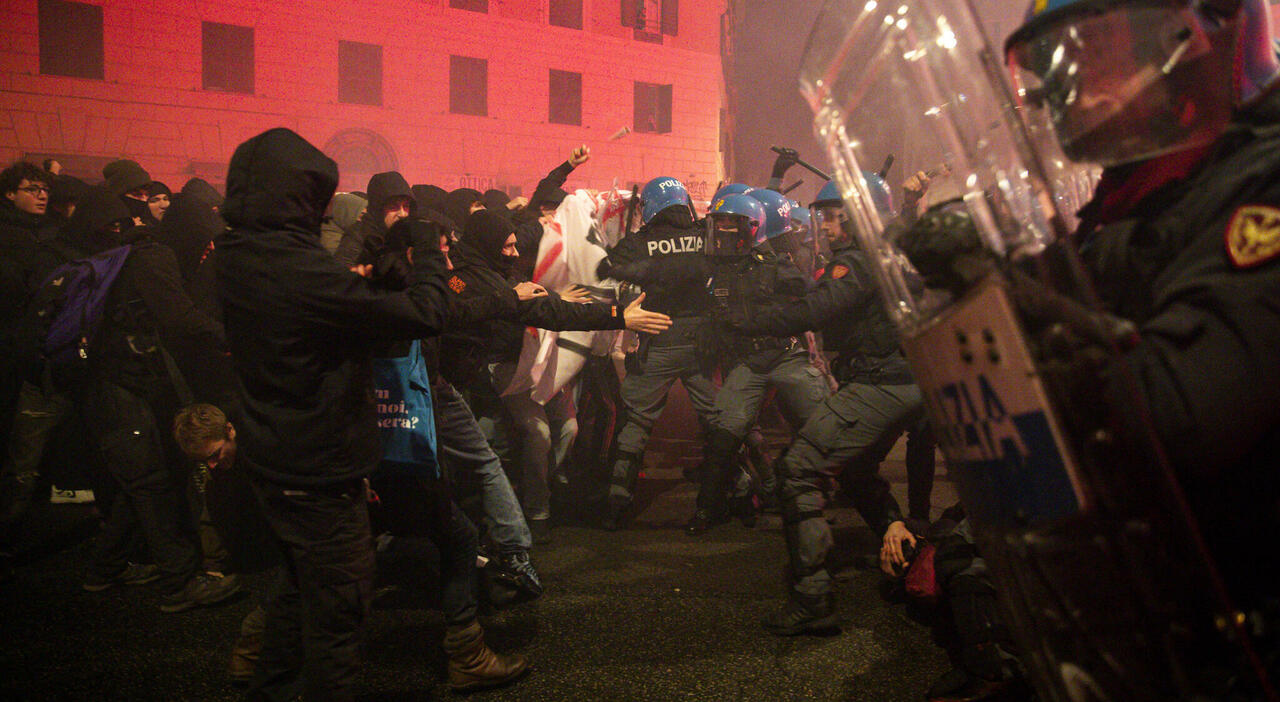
{"x": 751, "y": 362}
{"x": 854, "y": 429}
{"x": 665, "y": 257}
{"x": 1196, "y": 266}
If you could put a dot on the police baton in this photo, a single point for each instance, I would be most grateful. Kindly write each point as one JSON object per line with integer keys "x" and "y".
{"x": 782, "y": 152}
{"x": 793, "y": 186}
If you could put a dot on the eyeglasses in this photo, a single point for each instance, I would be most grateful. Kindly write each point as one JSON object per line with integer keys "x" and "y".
{"x": 35, "y": 189}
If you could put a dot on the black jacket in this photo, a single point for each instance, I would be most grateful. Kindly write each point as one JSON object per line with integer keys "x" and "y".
{"x": 467, "y": 350}
{"x": 300, "y": 326}
{"x": 528, "y": 219}
{"x": 19, "y": 233}
{"x": 148, "y": 305}
{"x": 666, "y": 258}
{"x": 1196, "y": 267}
{"x": 844, "y": 306}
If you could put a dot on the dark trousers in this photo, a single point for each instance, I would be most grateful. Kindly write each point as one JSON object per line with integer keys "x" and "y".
{"x": 474, "y": 469}
{"x": 414, "y": 506}
{"x": 314, "y": 620}
{"x": 147, "y": 503}
{"x": 857, "y": 422}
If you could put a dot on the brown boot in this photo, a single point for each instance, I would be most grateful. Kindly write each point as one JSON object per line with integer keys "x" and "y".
{"x": 244, "y": 653}
{"x": 472, "y": 665}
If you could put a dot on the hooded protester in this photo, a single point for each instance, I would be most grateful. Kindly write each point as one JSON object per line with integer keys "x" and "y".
{"x": 460, "y": 203}
{"x": 301, "y": 329}
{"x": 130, "y": 181}
{"x": 344, "y": 211}
{"x": 200, "y": 188}
{"x": 390, "y": 200}
{"x": 131, "y": 387}
{"x": 543, "y": 204}
{"x": 158, "y": 199}
{"x": 63, "y": 196}
{"x": 495, "y": 199}
{"x": 430, "y": 197}
{"x": 484, "y": 260}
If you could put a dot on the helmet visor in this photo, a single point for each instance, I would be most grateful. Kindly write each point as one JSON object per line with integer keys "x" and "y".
{"x": 1123, "y": 82}
{"x": 832, "y": 229}
{"x": 729, "y": 235}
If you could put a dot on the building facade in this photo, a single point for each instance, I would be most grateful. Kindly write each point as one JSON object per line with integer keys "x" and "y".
{"x": 476, "y": 93}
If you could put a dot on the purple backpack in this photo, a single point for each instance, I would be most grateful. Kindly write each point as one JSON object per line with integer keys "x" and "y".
{"x": 72, "y": 301}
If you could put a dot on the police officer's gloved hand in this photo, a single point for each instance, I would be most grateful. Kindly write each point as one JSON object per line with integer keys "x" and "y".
{"x": 944, "y": 246}
{"x": 1064, "y": 324}
{"x": 786, "y": 159}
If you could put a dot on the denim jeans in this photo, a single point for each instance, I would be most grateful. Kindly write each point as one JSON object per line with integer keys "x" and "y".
{"x": 474, "y": 468}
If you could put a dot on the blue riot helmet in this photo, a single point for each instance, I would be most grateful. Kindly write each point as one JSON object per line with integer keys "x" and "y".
{"x": 735, "y": 225}
{"x": 1128, "y": 80}
{"x": 801, "y": 223}
{"x": 730, "y": 189}
{"x": 777, "y": 211}
{"x": 881, "y": 195}
{"x": 661, "y": 193}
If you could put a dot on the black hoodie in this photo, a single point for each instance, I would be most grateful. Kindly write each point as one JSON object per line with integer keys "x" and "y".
{"x": 480, "y": 270}
{"x": 366, "y": 237}
{"x": 200, "y": 188}
{"x": 300, "y": 326}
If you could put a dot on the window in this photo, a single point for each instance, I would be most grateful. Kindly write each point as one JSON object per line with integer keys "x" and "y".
{"x": 359, "y": 73}
{"x": 468, "y": 86}
{"x": 565, "y": 93}
{"x": 70, "y": 39}
{"x": 653, "y": 108}
{"x": 228, "y": 58}
{"x": 473, "y": 5}
{"x": 651, "y": 19}
{"x": 565, "y": 13}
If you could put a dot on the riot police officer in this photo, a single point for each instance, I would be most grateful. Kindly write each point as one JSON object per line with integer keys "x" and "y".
{"x": 877, "y": 401}
{"x": 747, "y": 276}
{"x": 1183, "y": 239}
{"x": 665, "y": 258}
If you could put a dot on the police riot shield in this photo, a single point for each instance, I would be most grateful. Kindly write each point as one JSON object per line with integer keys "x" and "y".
{"x": 1102, "y": 574}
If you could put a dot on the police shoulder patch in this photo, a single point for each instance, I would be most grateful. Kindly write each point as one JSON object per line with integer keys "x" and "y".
{"x": 839, "y": 271}
{"x": 1253, "y": 235}
{"x": 457, "y": 284}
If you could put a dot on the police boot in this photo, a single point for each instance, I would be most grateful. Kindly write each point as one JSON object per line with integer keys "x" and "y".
{"x": 622, "y": 485}
{"x": 719, "y": 459}
{"x": 473, "y": 665}
{"x": 801, "y": 614}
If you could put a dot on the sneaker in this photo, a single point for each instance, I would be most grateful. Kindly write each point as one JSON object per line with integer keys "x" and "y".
{"x": 133, "y": 574}
{"x": 69, "y": 497}
{"x": 803, "y": 614}
{"x": 201, "y": 591}
{"x": 513, "y": 580}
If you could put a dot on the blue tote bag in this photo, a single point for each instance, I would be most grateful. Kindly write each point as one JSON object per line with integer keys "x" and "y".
{"x": 402, "y": 391}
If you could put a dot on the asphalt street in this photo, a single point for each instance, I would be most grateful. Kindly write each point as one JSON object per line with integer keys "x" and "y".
{"x": 643, "y": 614}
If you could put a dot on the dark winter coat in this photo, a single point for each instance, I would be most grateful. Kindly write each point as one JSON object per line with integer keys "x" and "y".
{"x": 301, "y": 327}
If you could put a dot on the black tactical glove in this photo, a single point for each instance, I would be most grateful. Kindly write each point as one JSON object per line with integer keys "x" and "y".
{"x": 786, "y": 159}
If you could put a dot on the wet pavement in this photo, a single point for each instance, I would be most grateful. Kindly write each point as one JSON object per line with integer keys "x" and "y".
{"x": 643, "y": 614}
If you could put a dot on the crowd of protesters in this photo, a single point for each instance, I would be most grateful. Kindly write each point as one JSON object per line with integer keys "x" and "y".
{"x": 187, "y": 334}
